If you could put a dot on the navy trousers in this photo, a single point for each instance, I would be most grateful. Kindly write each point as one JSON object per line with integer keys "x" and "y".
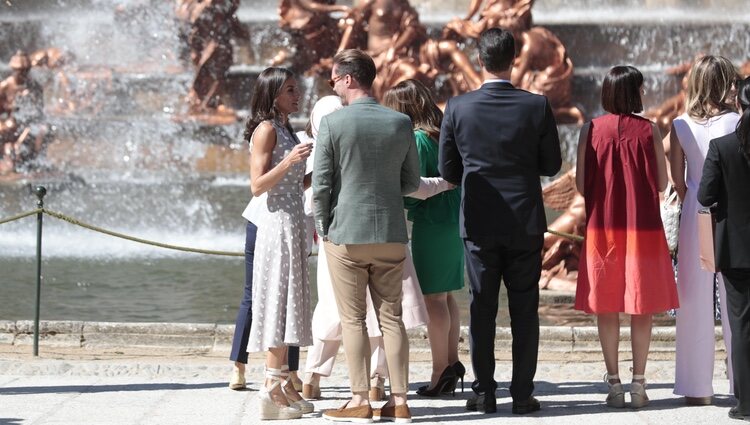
{"x": 519, "y": 266}
{"x": 245, "y": 313}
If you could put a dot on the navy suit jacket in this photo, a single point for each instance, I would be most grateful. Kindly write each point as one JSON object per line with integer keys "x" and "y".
{"x": 496, "y": 142}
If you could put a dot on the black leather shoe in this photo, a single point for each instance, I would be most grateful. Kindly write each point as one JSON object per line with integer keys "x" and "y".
{"x": 485, "y": 403}
{"x": 528, "y": 406}
{"x": 735, "y": 413}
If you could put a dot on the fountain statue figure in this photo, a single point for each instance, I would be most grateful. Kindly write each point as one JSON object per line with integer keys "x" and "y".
{"x": 314, "y": 34}
{"x": 208, "y": 27}
{"x": 390, "y": 31}
{"x": 560, "y": 254}
{"x": 513, "y": 15}
{"x": 542, "y": 64}
{"x": 22, "y": 127}
{"x": 74, "y": 90}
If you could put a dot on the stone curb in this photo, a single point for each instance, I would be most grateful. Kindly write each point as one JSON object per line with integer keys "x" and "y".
{"x": 215, "y": 338}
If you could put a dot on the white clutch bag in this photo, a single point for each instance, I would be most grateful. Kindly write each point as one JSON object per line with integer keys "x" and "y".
{"x": 670, "y": 216}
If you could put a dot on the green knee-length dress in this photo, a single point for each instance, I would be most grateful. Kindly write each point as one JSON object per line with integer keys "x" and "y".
{"x": 436, "y": 244}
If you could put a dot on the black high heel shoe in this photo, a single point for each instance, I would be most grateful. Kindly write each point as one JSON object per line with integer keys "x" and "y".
{"x": 446, "y": 384}
{"x": 460, "y": 371}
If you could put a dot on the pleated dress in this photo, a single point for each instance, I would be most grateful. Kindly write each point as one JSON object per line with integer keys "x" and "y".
{"x": 625, "y": 265}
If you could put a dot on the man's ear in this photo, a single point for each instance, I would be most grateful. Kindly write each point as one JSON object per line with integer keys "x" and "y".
{"x": 479, "y": 59}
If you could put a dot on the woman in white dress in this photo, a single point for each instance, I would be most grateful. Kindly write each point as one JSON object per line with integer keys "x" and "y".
{"x": 710, "y": 113}
{"x": 281, "y": 292}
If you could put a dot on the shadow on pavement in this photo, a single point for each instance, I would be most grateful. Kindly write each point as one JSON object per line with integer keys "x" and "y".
{"x": 542, "y": 388}
{"x": 11, "y": 421}
{"x": 104, "y": 389}
{"x": 591, "y": 404}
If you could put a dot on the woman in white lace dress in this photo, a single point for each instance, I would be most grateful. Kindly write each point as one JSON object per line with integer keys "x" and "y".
{"x": 281, "y": 291}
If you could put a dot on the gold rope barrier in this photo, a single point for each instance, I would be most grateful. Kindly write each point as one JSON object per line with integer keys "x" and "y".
{"x": 72, "y": 220}
{"x": 576, "y": 238}
{"x": 77, "y": 222}
{"x": 20, "y": 216}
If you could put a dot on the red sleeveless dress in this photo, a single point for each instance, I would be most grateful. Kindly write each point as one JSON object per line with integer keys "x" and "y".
{"x": 625, "y": 265}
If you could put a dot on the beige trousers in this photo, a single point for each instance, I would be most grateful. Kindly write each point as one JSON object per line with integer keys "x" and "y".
{"x": 353, "y": 268}
{"x": 322, "y": 355}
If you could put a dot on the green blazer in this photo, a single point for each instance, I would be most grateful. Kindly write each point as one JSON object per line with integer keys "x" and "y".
{"x": 365, "y": 161}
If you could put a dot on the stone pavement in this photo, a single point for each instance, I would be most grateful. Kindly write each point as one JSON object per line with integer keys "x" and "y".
{"x": 66, "y": 386}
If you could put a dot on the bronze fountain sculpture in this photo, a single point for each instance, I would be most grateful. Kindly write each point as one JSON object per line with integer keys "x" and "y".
{"x": 207, "y": 28}
{"x": 22, "y": 127}
{"x": 542, "y": 65}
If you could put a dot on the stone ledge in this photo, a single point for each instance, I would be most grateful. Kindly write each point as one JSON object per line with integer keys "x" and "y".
{"x": 182, "y": 336}
{"x": 52, "y": 333}
{"x": 213, "y": 338}
{"x": 7, "y": 332}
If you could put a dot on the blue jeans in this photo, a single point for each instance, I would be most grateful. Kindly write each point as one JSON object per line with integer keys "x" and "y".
{"x": 245, "y": 314}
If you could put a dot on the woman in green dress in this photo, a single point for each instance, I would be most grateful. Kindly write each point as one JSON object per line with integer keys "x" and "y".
{"x": 436, "y": 246}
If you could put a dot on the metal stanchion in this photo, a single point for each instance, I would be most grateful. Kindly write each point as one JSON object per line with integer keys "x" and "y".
{"x": 40, "y": 192}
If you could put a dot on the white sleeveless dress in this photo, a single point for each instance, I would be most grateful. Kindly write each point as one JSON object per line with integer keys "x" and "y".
{"x": 695, "y": 346}
{"x": 281, "y": 290}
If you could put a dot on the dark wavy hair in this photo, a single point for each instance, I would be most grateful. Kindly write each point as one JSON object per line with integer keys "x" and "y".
{"x": 743, "y": 126}
{"x": 265, "y": 91}
{"x": 412, "y": 98}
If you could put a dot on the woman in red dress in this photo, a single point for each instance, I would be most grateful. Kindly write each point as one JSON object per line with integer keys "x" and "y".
{"x": 625, "y": 265}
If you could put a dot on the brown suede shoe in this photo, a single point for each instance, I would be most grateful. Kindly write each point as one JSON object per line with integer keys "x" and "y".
{"x": 399, "y": 414}
{"x": 359, "y": 415}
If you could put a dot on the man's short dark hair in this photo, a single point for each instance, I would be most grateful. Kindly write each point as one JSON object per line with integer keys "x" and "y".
{"x": 356, "y": 63}
{"x": 621, "y": 90}
{"x": 497, "y": 49}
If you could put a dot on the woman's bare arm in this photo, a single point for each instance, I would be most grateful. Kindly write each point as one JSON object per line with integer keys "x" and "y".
{"x": 262, "y": 176}
{"x": 661, "y": 161}
{"x": 677, "y": 164}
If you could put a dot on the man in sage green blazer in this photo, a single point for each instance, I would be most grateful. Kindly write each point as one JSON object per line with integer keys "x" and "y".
{"x": 365, "y": 161}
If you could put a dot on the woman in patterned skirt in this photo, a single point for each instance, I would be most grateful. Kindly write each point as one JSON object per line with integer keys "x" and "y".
{"x": 281, "y": 292}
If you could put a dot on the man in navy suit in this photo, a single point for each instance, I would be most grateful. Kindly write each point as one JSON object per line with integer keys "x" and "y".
{"x": 496, "y": 142}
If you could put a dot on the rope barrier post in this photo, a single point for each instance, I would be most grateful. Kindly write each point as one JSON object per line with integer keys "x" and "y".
{"x": 40, "y": 191}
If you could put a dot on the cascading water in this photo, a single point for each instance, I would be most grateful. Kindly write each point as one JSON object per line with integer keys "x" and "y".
{"x": 126, "y": 160}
